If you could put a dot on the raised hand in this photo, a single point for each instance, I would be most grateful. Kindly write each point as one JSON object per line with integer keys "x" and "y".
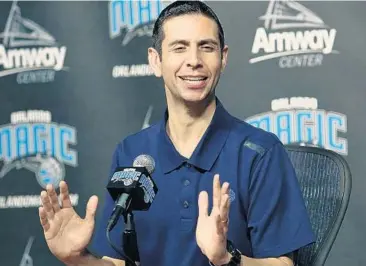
{"x": 65, "y": 232}
{"x": 212, "y": 229}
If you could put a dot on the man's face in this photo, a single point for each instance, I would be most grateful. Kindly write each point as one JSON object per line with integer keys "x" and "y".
{"x": 191, "y": 60}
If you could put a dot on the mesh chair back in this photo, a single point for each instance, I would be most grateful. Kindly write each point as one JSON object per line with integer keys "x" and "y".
{"x": 325, "y": 181}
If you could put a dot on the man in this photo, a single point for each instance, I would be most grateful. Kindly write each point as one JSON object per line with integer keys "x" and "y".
{"x": 259, "y": 207}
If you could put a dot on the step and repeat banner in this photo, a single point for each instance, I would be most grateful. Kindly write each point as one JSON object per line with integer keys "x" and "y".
{"x": 74, "y": 81}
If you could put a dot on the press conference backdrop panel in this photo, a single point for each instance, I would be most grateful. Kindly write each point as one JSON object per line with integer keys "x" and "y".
{"x": 74, "y": 81}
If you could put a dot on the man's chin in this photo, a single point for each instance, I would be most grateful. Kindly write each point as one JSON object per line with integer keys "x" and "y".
{"x": 196, "y": 99}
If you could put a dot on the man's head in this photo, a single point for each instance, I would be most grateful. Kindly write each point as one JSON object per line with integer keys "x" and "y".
{"x": 179, "y": 8}
{"x": 188, "y": 50}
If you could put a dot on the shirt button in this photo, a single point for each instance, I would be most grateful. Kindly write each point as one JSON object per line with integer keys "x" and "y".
{"x": 186, "y": 182}
{"x": 188, "y": 165}
{"x": 185, "y": 204}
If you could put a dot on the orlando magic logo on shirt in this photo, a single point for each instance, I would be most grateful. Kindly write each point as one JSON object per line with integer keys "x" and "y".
{"x": 32, "y": 141}
{"x": 231, "y": 195}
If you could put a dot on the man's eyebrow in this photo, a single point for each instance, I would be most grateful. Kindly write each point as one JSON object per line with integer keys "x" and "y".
{"x": 184, "y": 42}
{"x": 208, "y": 41}
{"x": 201, "y": 42}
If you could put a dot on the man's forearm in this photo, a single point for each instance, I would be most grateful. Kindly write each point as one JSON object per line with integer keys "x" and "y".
{"x": 282, "y": 261}
{"x": 90, "y": 260}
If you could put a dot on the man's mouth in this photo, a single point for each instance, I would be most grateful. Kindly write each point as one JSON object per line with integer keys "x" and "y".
{"x": 194, "y": 80}
{"x": 199, "y": 78}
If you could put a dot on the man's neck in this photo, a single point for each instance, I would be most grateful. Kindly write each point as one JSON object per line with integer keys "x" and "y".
{"x": 187, "y": 124}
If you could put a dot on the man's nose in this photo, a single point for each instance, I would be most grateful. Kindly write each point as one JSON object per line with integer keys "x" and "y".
{"x": 194, "y": 59}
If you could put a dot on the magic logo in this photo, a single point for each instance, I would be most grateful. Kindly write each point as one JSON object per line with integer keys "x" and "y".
{"x": 32, "y": 141}
{"x": 28, "y": 50}
{"x": 298, "y": 120}
{"x": 133, "y": 18}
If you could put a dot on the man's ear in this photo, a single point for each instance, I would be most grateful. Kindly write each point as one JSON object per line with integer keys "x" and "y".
{"x": 154, "y": 61}
{"x": 225, "y": 52}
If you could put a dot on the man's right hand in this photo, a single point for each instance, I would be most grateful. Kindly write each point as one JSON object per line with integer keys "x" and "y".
{"x": 66, "y": 233}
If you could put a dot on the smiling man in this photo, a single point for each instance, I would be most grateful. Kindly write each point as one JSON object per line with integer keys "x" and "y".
{"x": 228, "y": 194}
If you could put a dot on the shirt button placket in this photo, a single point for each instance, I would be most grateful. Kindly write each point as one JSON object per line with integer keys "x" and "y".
{"x": 187, "y": 173}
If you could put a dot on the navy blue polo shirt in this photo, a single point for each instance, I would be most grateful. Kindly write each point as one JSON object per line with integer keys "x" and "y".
{"x": 267, "y": 214}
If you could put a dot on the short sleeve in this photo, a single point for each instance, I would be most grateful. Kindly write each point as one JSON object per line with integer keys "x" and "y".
{"x": 99, "y": 245}
{"x": 277, "y": 217}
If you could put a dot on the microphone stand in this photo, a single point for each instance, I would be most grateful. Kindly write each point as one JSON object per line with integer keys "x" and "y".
{"x": 129, "y": 239}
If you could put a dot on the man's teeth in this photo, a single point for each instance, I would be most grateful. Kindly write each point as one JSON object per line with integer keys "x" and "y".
{"x": 194, "y": 79}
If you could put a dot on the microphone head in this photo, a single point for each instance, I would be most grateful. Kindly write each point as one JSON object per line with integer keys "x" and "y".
{"x": 146, "y": 161}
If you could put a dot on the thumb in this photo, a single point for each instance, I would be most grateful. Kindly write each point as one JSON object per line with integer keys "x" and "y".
{"x": 91, "y": 208}
{"x": 203, "y": 204}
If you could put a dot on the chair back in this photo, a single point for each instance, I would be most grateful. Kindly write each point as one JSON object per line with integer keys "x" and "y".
{"x": 325, "y": 181}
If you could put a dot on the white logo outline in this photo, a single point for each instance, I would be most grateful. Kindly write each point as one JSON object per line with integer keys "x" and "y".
{"x": 280, "y": 10}
{"x": 26, "y": 258}
{"x": 24, "y": 34}
{"x": 15, "y": 23}
{"x": 289, "y": 14}
{"x": 147, "y": 118}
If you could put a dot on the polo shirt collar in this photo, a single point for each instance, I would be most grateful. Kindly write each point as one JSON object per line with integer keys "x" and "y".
{"x": 207, "y": 150}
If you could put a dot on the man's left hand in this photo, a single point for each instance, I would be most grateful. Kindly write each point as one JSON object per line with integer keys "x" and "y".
{"x": 212, "y": 229}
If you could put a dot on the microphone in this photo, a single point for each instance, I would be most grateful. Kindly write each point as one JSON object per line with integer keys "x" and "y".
{"x": 132, "y": 188}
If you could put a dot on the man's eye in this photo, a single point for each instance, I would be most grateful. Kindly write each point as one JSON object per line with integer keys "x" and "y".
{"x": 208, "y": 48}
{"x": 179, "y": 49}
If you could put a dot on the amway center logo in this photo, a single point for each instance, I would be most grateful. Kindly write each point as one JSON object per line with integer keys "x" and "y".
{"x": 131, "y": 19}
{"x": 28, "y": 50}
{"x": 294, "y": 48}
{"x": 299, "y": 121}
{"x": 33, "y": 142}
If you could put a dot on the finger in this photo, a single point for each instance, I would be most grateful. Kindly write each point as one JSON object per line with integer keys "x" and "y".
{"x": 216, "y": 192}
{"x": 224, "y": 208}
{"x": 224, "y": 189}
{"x": 225, "y": 229}
{"x": 91, "y": 208}
{"x": 47, "y": 205}
{"x": 65, "y": 197}
{"x": 43, "y": 219}
{"x": 53, "y": 198}
{"x": 219, "y": 225}
{"x": 225, "y": 213}
{"x": 203, "y": 204}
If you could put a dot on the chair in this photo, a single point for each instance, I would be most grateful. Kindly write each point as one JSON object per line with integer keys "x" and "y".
{"x": 325, "y": 180}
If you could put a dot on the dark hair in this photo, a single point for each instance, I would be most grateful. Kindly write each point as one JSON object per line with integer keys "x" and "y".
{"x": 179, "y": 8}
